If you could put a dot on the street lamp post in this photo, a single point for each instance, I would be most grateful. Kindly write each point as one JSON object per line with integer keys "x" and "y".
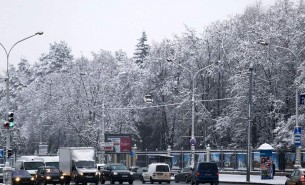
{"x": 249, "y": 123}
{"x": 193, "y": 75}
{"x": 8, "y": 142}
{"x": 182, "y": 158}
{"x": 296, "y": 56}
{"x": 146, "y": 163}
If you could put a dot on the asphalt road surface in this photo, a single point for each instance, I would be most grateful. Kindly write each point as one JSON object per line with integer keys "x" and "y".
{"x": 137, "y": 182}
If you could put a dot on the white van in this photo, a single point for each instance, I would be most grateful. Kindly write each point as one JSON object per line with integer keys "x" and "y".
{"x": 157, "y": 172}
{"x": 49, "y": 160}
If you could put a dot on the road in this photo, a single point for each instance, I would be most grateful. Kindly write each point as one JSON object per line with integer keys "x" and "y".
{"x": 172, "y": 183}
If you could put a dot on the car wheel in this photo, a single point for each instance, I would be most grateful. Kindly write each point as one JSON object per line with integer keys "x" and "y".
{"x": 143, "y": 181}
{"x": 44, "y": 182}
{"x": 120, "y": 182}
{"x": 168, "y": 182}
{"x": 176, "y": 180}
{"x": 112, "y": 181}
{"x": 160, "y": 182}
{"x": 216, "y": 183}
{"x": 103, "y": 181}
{"x": 151, "y": 181}
{"x": 193, "y": 183}
{"x": 130, "y": 182}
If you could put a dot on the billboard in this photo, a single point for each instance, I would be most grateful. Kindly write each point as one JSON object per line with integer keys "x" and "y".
{"x": 121, "y": 142}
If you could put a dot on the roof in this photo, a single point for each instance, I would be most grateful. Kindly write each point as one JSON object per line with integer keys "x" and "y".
{"x": 265, "y": 146}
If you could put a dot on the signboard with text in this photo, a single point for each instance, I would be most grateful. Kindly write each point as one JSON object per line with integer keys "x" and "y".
{"x": 121, "y": 142}
{"x": 302, "y": 99}
{"x": 298, "y": 136}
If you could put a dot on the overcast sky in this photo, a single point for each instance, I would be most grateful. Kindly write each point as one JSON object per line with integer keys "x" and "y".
{"x": 90, "y": 25}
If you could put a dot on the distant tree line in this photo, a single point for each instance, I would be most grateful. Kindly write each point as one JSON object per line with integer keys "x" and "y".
{"x": 67, "y": 99}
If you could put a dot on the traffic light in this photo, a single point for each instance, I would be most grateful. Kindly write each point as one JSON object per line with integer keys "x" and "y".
{"x": 9, "y": 153}
{"x": 6, "y": 125}
{"x": 11, "y": 119}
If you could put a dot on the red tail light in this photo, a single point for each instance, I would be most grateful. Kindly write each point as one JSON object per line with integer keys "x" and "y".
{"x": 303, "y": 178}
{"x": 197, "y": 173}
{"x": 217, "y": 174}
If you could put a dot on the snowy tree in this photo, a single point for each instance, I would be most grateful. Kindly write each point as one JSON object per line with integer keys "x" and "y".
{"x": 142, "y": 49}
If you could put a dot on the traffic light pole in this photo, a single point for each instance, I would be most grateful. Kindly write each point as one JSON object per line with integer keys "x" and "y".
{"x": 8, "y": 133}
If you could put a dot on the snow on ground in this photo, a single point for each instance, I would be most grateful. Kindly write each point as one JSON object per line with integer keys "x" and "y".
{"x": 253, "y": 178}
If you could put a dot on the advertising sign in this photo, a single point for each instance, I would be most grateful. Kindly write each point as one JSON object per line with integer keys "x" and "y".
{"x": 121, "y": 142}
{"x": 42, "y": 149}
{"x": 266, "y": 164}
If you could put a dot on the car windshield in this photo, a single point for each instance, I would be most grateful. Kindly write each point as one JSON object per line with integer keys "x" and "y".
{"x": 55, "y": 164}
{"x": 20, "y": 173}
{"x": 1, "y": 170}
{"x": 162, "y": 168}
{"x": 85, "y": 164}
{"x": 118, "y": 167}
{"x": 32, "y": 165}
{"x": 207, "y": 166}
{"x": 52, "y": 170}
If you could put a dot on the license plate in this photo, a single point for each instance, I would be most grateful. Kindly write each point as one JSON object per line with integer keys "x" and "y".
{"x": 88, "y": 176}
{"x": 124, "y": 175}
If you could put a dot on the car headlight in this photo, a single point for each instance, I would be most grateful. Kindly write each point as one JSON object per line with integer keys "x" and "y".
{"x": 62, "y": 177}
{"x": 32, "y": 178}
{"x": 17, "y": 179}
{"x": 48, "y": 177}
{"x": 97, "y": 173}
{"x": 80, "y": 173}
{"x": 115, "y": 173}
{"x": 131, "y": 173}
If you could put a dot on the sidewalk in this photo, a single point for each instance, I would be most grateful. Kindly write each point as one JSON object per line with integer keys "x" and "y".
{"x": 254, "y": 179}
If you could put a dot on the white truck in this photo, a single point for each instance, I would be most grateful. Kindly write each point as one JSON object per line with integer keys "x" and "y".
{"x": 29, "y": 163}
{"x": 78, "y": 164}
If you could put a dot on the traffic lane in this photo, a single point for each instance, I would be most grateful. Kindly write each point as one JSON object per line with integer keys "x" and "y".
{"x": 137, "y": 182}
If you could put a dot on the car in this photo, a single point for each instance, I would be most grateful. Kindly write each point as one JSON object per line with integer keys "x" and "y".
{"x": 116, "y": 172}
{"x": 100, "y": 166}
{"x": 1, "y": 174}
{"x": 184, "y": 175}
{"x": 205, "y": 172}
{"x": 138, "y": 174}
{"x": 296, "y": 177}
{"x": 49, "y": 175}
{"x": 22, "y": 177}
{"x": 157, "y": 172}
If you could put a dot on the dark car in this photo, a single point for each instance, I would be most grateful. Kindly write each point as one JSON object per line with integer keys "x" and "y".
{"x": 205, "y": 172}
{"x": 116, "y": 172}
{"x": 184, "y": 175}
{"x": 138, "y": 174}
{"x": 296, "y": 177}
{"x": 22, "y": 177}
{"x": 1, "y": 174}
{"x": 49, "y": 175}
